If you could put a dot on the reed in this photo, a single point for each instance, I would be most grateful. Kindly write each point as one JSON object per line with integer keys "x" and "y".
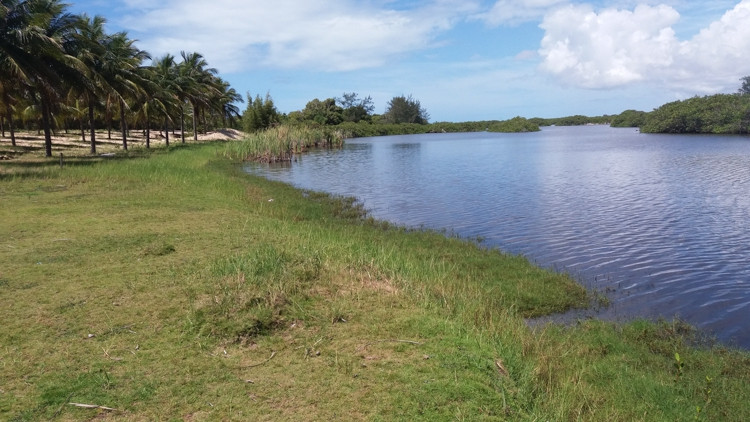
{"x": 281, "y": 143}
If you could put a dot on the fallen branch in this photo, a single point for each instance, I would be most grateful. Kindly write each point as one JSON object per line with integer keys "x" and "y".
{"x": 93, "y": 406}
{"x": 261, "y": 363}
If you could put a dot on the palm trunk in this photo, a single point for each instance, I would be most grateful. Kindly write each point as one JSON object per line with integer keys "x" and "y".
{"x": 182, "y": 125}
{"x": 46, "y": 127}
{"x": 148, "y": 131}
{"x": 166, "y": 129}
{"x": 195, "y": 122}
{"x": 83, "y": 131}
{"x": 92, "y": 130}
{"x": 9, "y": 117}
{"x": 123, "y": 126}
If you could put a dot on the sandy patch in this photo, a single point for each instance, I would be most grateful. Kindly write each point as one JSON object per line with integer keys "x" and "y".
{"x": 71, "y": 143}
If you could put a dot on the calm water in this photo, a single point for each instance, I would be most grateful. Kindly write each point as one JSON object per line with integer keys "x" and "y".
{"x": 659, "y": 223}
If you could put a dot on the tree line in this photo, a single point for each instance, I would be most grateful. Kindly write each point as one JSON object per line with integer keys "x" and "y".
{"x": 59, "y": 69}
{"x": 354, "y": 116}
{"x": 261, "y": 113}
{"x": 710, "y": 114}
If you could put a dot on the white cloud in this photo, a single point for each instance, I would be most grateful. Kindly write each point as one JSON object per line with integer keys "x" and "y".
{"x": 717, "y": 57}
{"x": 610, "y": 48}
{"x": 614, "y": 47}
{"x": 514, "y": 12}
{"x": 336, "y": 35}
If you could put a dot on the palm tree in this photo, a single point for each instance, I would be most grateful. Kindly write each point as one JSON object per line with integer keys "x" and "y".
{"x": 165, "y": 76}
{"x": 33, "y": 37}
{"x": 121, "y": 62}
{"x": 90, "y": 50}
{"x": 36, "y": 39}
{"x": 224, "y": 100}
{"x": 197, "y": 77}
{"x": 48, "y": 57}
{"x": 156, "y": 98}
{"x": 77, "y": 110}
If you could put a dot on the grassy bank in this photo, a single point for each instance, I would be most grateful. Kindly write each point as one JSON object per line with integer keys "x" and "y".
{"x": 170, "y": 286}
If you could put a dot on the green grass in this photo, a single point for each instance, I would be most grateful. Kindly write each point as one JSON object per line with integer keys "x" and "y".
{"x": 169, "y": 286}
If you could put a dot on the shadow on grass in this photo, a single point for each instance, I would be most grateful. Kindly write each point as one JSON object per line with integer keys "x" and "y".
{"x": 22, "y": 167}
{"x": 35, "y": 167}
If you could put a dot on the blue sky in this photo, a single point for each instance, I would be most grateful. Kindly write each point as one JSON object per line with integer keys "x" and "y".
{"x": 463, "y": 59}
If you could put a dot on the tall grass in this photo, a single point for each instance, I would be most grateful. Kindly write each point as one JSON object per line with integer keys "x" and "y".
{"x": 282, "y": 142}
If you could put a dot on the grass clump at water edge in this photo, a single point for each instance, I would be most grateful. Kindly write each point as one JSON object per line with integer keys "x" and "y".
{"x": 280, "y": 143}
{"x": 170, "y": 287}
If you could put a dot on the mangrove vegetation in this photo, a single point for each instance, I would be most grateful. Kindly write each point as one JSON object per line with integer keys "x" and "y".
{"x": 710, "y": 114}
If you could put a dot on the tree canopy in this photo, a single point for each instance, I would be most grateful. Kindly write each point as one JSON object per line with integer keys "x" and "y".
{"x": 720, "y": 113}
{"x": 260, "y": 114}
{"x": 356, "y": 109}
{"x": 325, "y": 112}
{"x": 403, "y": 109}
{"x": 745, "y": 88}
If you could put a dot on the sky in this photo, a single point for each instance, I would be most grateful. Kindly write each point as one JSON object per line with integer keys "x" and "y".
{"x": 463, "y": 60}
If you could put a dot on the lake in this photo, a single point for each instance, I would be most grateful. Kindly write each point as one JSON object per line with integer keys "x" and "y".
{"x": 660, "y": 224}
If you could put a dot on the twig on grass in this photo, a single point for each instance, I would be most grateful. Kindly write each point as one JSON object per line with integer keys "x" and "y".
{"x": 261, "y": 363}
{"x": 93, "y": 406}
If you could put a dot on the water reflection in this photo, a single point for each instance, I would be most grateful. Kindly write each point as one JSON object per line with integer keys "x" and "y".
{"x": 661, "y": 223}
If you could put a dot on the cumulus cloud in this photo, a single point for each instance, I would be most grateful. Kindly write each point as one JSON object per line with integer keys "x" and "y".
{"x": 610, "y": 48}
{"x": 336, "y": 35}
{"x": 719, "y": 53}
{"x": 614, "y": 47}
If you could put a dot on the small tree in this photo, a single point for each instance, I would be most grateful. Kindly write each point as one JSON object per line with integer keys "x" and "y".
{"x": 260, "y": 114}
{"x": 356, "y": 110}
{"x": 324, "y": 112}
{"x": 405, "y": 110}
{"x": 745, "y": 88}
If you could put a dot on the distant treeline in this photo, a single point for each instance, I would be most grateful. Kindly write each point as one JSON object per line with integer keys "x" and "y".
{"x": 717, "y": 114}
{"x": 364, "y": 129}
{"x": 577, "y": 120}
{"x": 353, "y": 116}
